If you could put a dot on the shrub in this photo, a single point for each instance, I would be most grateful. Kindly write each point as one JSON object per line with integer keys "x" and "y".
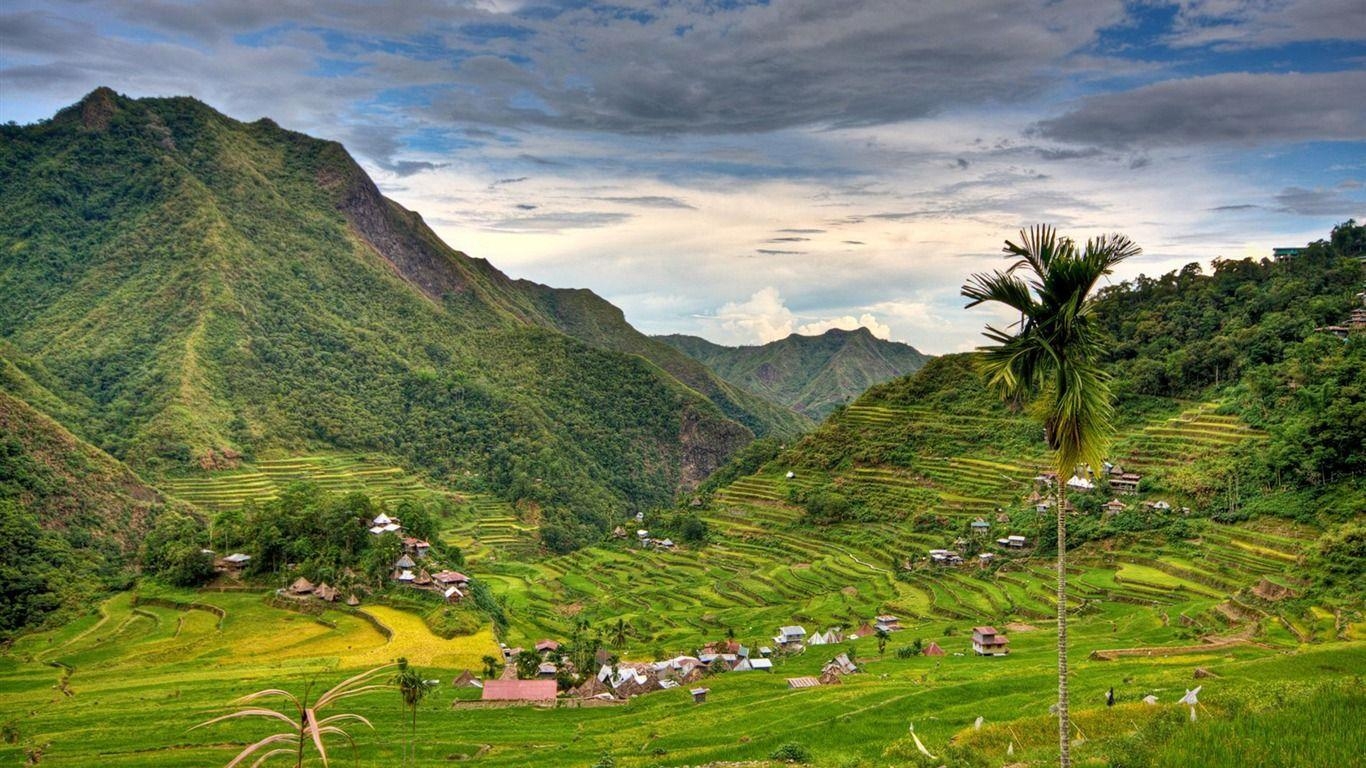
{"x": 791, "y": 752}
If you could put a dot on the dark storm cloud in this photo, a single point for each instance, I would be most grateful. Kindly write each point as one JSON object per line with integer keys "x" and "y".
{"x": 1236, "y": 108}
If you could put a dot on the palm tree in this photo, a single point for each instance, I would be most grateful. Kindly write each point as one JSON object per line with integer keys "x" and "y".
{"x": 1052, "y": 361}
{"x": 619, "y": 633}
{"x": 305, "y": 720}
{"x": 882, "y": 635}
{"x": 413, "y": 688}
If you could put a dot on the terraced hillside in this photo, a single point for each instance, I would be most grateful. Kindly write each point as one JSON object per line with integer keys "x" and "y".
{"x": 264, "y": 480}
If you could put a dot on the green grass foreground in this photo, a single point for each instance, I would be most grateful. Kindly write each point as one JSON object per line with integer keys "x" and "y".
{"x": 122, "y": 686}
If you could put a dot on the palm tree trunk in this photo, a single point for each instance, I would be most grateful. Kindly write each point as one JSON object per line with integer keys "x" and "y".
{"x": 1064, "y": 732}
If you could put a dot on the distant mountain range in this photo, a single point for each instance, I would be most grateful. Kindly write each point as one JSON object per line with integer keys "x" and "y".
{"x": 812, "y": 375}
{"x": 185, "y": 292}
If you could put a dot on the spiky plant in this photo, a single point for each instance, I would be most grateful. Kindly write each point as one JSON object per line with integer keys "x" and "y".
{"x": 1050, "y": 360}
{"x": 307, "y": 724}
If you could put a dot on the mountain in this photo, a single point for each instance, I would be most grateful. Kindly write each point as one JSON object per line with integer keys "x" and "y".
{"x": 186, "y": 292}
{"x": 812, "y": 375}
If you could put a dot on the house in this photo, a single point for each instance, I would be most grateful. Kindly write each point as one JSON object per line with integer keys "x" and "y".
{"x": 945, "y": 557}
{"x": 984, "y": 559}
{"x": 404, "y": 562}
{"x": 1013, "y": 541}
{"x": 759, "y": 665}
{"x": 663, "y": 543}
{"x": 467, "y": 679}
{"x": 986, "y": 641}
{"x": 790, "y": 636}
{"x": 453, "y": 594}
{"x": 1080, "y": 484}
{"x": 406, "y": 576}
{"x": 1285, "y": 254}
{"x": 423, "y": 579}
{"x": 234, "y": 562}
{"x": 327, "y": 593}
{"x": 301, "y": 586}
{"x": 352, "y": 600}
{"x": 416, "y": 546}
{"x": 980, "y": 527}
{"x": 765, "y": 651}
{"x": 865, "y": 630}
{"x": 546, "y": 669}
{"x": 1125, "y": 482}
{"x": 933, "y": 649}
{"x": 841, "y": 665}
{"x": 1159, "y": 505}
{"x": 1046, "y": 479}
{"x": 699, "y": 695}
{"x": 384, "y": 524}
{"x": 887, "y": 623}
{"x": 618, "y": 532}
{"x": 1114, "y": 507}
{"x": 451, "y": 579}
{"x": 539, "y": 691}
{"x": 546, "y": 647}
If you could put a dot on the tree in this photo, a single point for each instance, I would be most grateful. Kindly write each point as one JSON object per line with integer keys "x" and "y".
{"x": 303, "y": 717}
{"x": 491, "y": 666}
{"x": 413, "y": 688}
{"x": 620, "y": 631}
{"x": 528, "y": 664}
{"x": 1052, "y": 362}
{"x": 882, "y": 636}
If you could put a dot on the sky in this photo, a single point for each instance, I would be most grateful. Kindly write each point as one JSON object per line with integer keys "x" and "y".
{"x": 745, "y": 170}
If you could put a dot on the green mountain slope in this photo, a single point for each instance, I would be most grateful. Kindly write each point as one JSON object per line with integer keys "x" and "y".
{"x": 810, "y": 374}
{"x": 195, "y": 291}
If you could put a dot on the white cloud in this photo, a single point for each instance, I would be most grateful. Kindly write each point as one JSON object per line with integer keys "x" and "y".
{"x": 763, "y": 318}
{"x": 848, "y": 323}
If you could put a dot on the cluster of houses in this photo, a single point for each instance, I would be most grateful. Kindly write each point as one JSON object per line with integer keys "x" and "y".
{"x": 303, "y": 589}
{"x": 1356, "y": 321}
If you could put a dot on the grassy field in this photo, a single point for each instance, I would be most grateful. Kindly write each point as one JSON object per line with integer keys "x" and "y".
{"x": 122, "y": 686}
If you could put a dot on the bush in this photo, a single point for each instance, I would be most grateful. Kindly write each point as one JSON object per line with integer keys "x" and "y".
{"x": 791, "y": 752}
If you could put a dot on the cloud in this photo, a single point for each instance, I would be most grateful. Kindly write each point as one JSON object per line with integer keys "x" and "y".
{"x": 764, "y": 317}
{"x": 649, "y": 201}
{"x": 847, "y": 323}
{"x": 558, "y": 222}
{"x": 1316, "y": 202}
{"x": 1237, "y": 108}
{"x": 1262, "y": 24}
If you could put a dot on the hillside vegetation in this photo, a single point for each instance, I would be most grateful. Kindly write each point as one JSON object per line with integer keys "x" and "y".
{"x": 185, "y": 291}
{"x": 812, "y": 375}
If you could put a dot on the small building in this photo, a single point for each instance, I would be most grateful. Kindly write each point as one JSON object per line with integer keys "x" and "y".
{"x": 405, "y": 562}
{"x": 841, "y": 665}
{"x": 1013, "y": 541}
{"x": 945, "y": 557}
{"x": 1125, "y": 482}
{"x": 451, "y": 579}
{"x": 791, "y": 475}
{"x": 887, "y": 623}
{"x": 453, "y": 594}
{"x": 618, "y": 532}
{"x": 467, "y": 679}
{"x": 984, "y": 559}
{"x": 1114, "y": 507}
{"x": 759, "y": 665}
{"x": 933, "y": 649}
{"x": 986, "y": 641}
{"x": 234, "y": 562}
{"x": 352, "y": 600}
{"x": 301, "y": 586}
{"x": 417, "y": 547}
{"x": 327, "y": 593}
{"x": 545, "y": 647}
{"x": 980, "y": 527}
{"x": 790, "y": 636}
{"x": 1286, "y": 253}
{"x": 1078, "y": 483}
{"x": 546, "y": 669}
{"x": 663, "y": 543}
{"x": 537, "y": 691}
{"x": 803, "y": 682}
{"x": 699, "y": 695}
{"x": 1157, "y": 506}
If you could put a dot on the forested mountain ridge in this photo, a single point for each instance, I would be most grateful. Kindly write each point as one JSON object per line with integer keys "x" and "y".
{"x": 183, "y": 289}
{"x": 810, "y": 374}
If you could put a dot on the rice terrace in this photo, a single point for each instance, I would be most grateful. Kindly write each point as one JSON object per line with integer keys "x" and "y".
{"x": 838, "y": 453}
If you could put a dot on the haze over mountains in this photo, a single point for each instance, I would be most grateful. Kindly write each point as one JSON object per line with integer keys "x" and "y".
{"x": 183, "y": 289}
{"x": 812, "y": 375}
